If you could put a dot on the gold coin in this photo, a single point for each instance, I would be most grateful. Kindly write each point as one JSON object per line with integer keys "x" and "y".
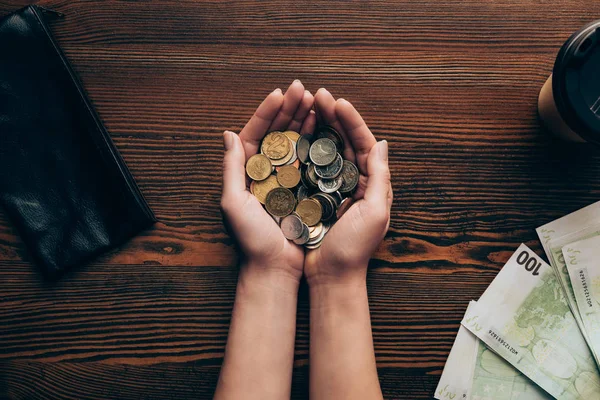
{"x": 293, "y": 136}
{"x": 310, "y": 211}
{"x": 275, "y": 146}
{"x": 260, "y": 189}
{"x": 288, "y": 176}
{"x": 259, "y": 167}
{"x": 287, "y": 158}
{"x": 280, "y": 202}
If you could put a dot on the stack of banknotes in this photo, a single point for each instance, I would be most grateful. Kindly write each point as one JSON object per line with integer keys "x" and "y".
{"x": 535, "y": 331}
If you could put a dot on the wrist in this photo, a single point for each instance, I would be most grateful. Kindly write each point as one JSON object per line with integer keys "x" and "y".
{"x": 327, "y": 294}
{"x": 256, "y": 277}
{"x": 328, "y": 276}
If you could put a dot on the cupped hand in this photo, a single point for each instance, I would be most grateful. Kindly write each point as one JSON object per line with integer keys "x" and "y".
{"x": 264, "y": 247}
{"x": 344, "y": 255}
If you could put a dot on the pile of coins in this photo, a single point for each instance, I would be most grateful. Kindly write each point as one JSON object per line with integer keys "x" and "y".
{"x": 303, "y": 182}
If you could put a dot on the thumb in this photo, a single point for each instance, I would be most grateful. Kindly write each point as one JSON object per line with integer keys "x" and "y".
{"x": 234, "y": 172}
{"x": 378, "y": 179}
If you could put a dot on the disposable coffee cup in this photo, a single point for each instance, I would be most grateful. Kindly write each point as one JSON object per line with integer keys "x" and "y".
{"x": 569, "y": 102}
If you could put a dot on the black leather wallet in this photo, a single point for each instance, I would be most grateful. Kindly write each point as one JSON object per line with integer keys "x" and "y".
{"x": 63, "y": 183}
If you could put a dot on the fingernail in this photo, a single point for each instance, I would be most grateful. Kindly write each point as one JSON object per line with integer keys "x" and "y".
{"x": 277, "y": 90}
{"x": 383, "y": 150}
{"x": 228, "y": 139}
{"x": 322, "y": 90}
{"x": 296, "y": 81}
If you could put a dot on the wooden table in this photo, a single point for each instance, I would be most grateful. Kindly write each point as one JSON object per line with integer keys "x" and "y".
{"x": 451, "y": 85}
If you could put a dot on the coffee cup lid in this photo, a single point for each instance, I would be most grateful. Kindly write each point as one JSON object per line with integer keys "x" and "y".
{"x": 576, "y": 82}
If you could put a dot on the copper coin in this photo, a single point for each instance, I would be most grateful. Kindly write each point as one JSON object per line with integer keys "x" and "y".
{"x": 310, "y": 211}
{"x": 292, "y": 135}
{"x": 288, "y": 176}
{"x": 260, "y": 189}
{"x": 258, "y": 167}
{"x": 275, "y": 146}
{"x": 280, "y": 202}
{"x": 288, "y": 158}
{"x": 312, "y": 176}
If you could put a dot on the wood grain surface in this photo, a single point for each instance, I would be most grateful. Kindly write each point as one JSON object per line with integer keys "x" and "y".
{"x": 451, "y": 85}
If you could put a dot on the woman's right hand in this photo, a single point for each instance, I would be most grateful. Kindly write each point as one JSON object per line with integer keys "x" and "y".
{"x": 344, "y": 255}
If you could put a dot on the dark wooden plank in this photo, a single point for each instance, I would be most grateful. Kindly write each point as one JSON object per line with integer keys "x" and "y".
{"x": 82, "y": 381}
{"x": 144, "y": 314}
{"x": 452, "y": 86}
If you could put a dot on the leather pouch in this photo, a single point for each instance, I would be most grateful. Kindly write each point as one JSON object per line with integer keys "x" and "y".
{"x": 63, "y": 183}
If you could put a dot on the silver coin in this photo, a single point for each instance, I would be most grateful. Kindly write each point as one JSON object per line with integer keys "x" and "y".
{"x": 303, "y": 148}
{"x": 344, "y": 206}
{"x": 304, "y": 236}
{"x": 304, "y": 177}
{"x": 291, "y": 226}
{"x": 338, "y": 197}
{"x": 332, "y": 170}
{"x": 328, "y": 206}
{"x": 330, "y": 185}
{"x": 331, "y": 199}
{"x": 323, "y": 152}
{"x": 330, "y": 133}
{"x": 350, "y": 177}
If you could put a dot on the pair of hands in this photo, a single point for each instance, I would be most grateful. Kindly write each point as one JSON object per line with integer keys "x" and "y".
{"x": 344, "y": 254}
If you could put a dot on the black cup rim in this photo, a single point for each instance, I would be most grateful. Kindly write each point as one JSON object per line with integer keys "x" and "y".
{"x": 568, "y": 111}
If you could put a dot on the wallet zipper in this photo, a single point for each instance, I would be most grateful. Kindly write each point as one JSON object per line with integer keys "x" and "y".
{"x": 134, "y": 189}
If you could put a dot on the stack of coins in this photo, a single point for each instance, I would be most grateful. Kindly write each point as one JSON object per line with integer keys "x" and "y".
{"x": 303, "y": 181}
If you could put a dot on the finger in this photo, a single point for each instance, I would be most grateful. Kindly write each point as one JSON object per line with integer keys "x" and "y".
{"x": 378, "y": 183}
{"x": 263, "y": 117}
{"x": 309, "y": 124}
{"x": 359, "y": 134}
{"x": 291, "y": 101}
{"x": 234, "y": 172}
{"x": 302, "y": 112}
{"x": 325, "y": 108}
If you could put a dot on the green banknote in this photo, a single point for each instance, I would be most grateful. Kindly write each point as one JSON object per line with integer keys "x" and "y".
{"x": 560, "y": 267}
{"x": 524, "y": 317}
{"x": 583, "y": 264}
{"x": 554, "y": 235}
{"x": 573, "y": 222}
{"x": 496, "y": 379}
{"x": 472, "y": 372}
{"x": 457, "y": 377}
